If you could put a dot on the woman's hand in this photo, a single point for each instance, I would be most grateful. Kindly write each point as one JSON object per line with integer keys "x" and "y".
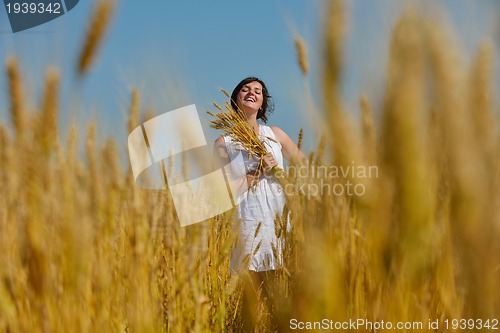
{"x": 250, "y": 180}
{"x": 269, "y": 162}
{"x": 253, "y": 177}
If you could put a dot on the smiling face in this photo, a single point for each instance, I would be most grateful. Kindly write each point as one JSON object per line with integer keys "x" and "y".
{"x": 250, "y": 97}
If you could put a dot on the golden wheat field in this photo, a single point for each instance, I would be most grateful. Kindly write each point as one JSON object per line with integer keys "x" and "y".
{"x": 83, "y": 249}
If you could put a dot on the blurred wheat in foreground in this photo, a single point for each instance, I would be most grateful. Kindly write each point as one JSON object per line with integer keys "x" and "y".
{"x": 84, "y": 250}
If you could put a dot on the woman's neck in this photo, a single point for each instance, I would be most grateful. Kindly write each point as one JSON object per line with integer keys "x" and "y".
{"x": 252, "y": 120}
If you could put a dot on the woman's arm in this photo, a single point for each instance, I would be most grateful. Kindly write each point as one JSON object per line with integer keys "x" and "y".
{"x": 289, "y": 148}
{"x": 222, "y": 160}
{"x": 221, "y": 157}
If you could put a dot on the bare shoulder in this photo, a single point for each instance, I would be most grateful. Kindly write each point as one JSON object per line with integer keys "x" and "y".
{"x": 280, "y": 134}
{"x": 276, "y": 129}
{"x": 220, "y": 148}
{"x": 290, "y": 149}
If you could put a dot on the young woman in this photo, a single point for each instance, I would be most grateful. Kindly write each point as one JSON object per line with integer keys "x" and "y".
{"x": 265, "y": 198}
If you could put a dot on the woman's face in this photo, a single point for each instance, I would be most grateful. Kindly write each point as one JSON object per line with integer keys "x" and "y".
{"x": 250, "y": 97}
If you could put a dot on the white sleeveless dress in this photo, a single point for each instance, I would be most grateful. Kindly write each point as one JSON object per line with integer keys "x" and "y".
{"x": 260, "y": 204}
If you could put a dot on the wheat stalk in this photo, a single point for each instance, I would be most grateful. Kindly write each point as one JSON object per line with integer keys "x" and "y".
{"x": 17, "y": 110}
{"x": 301, "y": 139}
{"x": 50, "y": 109}
{"x": 133, "y": 120}
{"x": 95, "y": 34}
{"x": 369, "y": 131}
{"x": 301, "y": 48}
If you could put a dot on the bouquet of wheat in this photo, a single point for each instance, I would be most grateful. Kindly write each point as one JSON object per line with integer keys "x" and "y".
{"x": 234, "y": 124}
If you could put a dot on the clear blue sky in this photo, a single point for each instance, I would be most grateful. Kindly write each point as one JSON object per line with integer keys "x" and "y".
{"x": 180, "y": 52}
